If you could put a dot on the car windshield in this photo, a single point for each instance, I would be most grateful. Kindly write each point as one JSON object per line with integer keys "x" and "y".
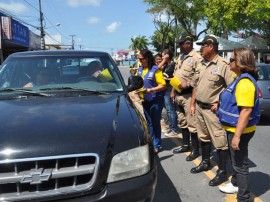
{"x": 59, "y": 73}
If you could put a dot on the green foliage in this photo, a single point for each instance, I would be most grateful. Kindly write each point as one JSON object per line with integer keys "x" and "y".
{"x": 157, "y": 38}
{"x": 234, "y": 15}
{"x": 187, "y": 12}
{"x": 260, "y": 18}
{"x": 221, "y": 17}
{"x": 139, "y": 43}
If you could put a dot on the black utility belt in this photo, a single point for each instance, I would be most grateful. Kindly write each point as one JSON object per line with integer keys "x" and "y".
{"x": 204, "y": 105}
{"x": 185, "y": 91}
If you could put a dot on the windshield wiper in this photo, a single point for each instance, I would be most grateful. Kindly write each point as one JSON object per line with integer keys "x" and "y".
{"x": 74, "y": 88}
{"x": 26, "y": 91}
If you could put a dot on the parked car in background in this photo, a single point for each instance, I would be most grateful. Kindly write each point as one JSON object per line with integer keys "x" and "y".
{"x": 69, "y": 130}
{"x": 264, "y": 86}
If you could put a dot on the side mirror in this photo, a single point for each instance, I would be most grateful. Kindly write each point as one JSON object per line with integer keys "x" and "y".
{"x": 134, "y": 83}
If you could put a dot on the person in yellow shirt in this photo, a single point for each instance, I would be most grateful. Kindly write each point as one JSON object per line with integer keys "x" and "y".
{"x": 134, "y": 68}
{"x": 153, "y": 94}
{"x": 238, "y": 114}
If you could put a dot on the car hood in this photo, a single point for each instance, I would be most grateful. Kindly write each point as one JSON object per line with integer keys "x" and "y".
{"x": 36, "y": 127}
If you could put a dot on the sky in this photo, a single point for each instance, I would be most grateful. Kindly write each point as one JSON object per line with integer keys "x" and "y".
{"x": 101, "y": 25}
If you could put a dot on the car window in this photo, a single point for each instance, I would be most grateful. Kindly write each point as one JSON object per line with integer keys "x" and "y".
{"x": 94, "y": 73}
{"x": 264, "y": 72}
{"x": 268, "y": 73}
{"x": 261, "y": 74}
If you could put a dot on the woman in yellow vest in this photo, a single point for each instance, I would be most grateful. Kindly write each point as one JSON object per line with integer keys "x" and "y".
{"x": 239, "y": 113}
{"x": 153, "y": 94}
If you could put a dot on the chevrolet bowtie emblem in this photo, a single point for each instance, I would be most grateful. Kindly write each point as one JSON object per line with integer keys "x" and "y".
{"x": 36, "y": 176}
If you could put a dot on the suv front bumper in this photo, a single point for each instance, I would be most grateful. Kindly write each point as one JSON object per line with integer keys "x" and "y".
{"x": 137, "y": 189}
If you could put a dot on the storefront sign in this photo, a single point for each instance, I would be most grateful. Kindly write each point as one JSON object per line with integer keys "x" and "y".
{"x": 34, "y": 41}
{"x": 20, "y": 34}
{"x": 6, "y": 26}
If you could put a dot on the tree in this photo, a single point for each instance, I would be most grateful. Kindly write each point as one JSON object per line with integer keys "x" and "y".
{"x": 221, "y": 17}
{"x": 139, "y": 43}
{"x": 233, "y": 15}
{"x": 260, "y": 19}
{"x": 163, "y": 31}
{"x": 187, "y": 12}
{"x": 160, "y": 42}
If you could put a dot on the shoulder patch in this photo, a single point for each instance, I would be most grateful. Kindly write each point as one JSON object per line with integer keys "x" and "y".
{"x": 216, "y": 70}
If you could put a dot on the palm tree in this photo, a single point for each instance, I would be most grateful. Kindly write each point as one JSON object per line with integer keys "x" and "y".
{"x": 139, "y": 43}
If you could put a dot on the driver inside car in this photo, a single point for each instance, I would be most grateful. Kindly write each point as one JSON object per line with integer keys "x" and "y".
{"x": 93, "y": 71}
{"x": 42, "y": 78}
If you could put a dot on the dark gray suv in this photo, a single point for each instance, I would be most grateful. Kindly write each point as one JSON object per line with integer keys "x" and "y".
{"x": 264, "y": 86}
{"x": 69, "y": 130}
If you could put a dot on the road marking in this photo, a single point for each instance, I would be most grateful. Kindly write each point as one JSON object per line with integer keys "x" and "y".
{"x": 210, "y": 174}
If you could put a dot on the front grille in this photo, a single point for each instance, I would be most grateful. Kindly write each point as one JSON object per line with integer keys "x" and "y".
{"x": 33, "y": 178}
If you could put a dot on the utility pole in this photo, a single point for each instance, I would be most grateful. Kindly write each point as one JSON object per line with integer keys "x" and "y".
{"x": 42, "y": 33}
{"x": 72, "y": 35}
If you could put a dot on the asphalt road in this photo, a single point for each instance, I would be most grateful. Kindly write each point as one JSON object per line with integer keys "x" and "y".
{"x": 176, "y": 183}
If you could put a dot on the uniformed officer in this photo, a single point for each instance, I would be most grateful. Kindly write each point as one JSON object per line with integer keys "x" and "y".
{"x": 213, "y": 74}
{"x": 181, "y": 93}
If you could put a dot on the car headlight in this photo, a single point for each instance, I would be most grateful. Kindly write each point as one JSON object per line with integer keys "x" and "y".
{"x": 130, "y": 163}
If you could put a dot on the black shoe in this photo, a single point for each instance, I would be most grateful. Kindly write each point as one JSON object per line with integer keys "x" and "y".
{"x": 204, "y": 166}
{"x": 219, "y": 178}
{"x": 193, "y": 155}
{"x": 181, "y": 149}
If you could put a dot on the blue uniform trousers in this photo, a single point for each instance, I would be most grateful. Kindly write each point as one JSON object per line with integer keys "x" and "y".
{"x": 152, "y": 112}
{"x": 171, "y": 111}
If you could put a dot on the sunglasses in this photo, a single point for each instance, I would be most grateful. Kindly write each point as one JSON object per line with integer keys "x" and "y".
{"x": 141, "y": 59}
{"x": 186, "y": 42}
{"x": 232, "y": 60}
{"x": 205, "y": 46}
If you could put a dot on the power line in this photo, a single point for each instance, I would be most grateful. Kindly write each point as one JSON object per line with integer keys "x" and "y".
{"x": 31, "y": 5}
{"x": 57, "y": 16}
{"x": 59, "y": 43}
{"x": 41, "y": 28}
{"x": 44, "y": 16}
{"x": 16, "y": 18}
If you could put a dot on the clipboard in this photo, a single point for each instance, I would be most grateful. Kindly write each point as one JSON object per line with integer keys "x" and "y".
{"x": 175, "y": 82}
